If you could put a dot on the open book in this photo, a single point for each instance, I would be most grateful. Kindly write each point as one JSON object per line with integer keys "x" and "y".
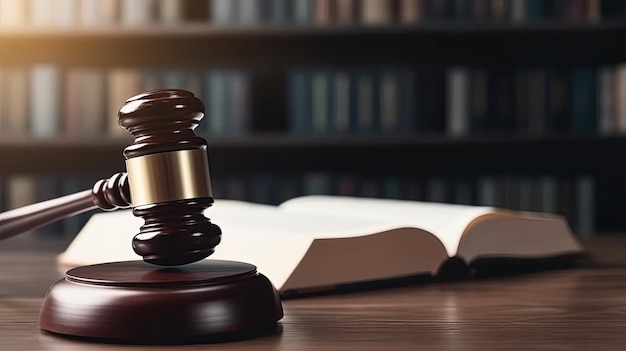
{"x": 316, "y": 242}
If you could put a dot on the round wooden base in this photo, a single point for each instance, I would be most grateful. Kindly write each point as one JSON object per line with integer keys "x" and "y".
{"x": 138, "y": 302}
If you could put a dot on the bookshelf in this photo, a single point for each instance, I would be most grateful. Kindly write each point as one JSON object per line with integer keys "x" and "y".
{"x": 206, "y": 44}
{"x": 412, "y": 160}
{"x": 417, "y": 155}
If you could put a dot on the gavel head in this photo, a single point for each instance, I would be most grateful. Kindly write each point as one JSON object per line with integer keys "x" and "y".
{"x": 168, "y": 177}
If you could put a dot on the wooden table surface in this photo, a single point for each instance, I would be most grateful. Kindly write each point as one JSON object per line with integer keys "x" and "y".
{"x": 573, "y": 309}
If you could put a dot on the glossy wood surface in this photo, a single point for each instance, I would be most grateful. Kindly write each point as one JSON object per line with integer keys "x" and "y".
{"x": 107, "y": 194}
{"x": 577, "y": 309}
{"x": 175, "y": 231}
{"x": 138, "y": 302}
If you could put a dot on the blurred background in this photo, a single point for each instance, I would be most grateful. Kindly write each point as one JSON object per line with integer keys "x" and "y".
{"x": 518, "y": 104}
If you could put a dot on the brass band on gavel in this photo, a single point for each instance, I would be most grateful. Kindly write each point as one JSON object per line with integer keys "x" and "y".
{"x": 168, "y": 176}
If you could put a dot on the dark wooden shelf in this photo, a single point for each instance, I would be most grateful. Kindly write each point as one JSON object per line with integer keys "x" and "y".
{"x": 269, "y": 52}
{"x": 278, "y": 46}
{"x": 415, "y": 155}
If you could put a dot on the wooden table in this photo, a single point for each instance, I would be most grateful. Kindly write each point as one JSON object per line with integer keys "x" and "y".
{"x": 574, "y": 309}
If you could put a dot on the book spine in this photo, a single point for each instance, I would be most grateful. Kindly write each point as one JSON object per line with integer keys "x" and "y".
{"x": 217, "y": 90}
{"x": 44, "y": 100}
{"x": 320, "y": 99}
{"x": 42, "y": 12}
{"x": 138, "y": 12}
{"x": 303, "y": 11}
{"x": 13, "y": 13}
{"x": 92, "y": 102}
{"x": 458, "y": 82}
{"x": 366, "y": 109}
{"x": 342, "y": 110}
{"x": 66, "y": 13}
{"x": 584, "y": 101}
{"x": 239, "y": 103}
{"x": 375, "y": 12}
{"x": 15, "y": 102}
{"x": 123, "y": 83}
{"x": 388, "y": 111}
{"x": 300, "y": 102}
{"x": 170, "y": 12}
{"x": 411, "y": 11}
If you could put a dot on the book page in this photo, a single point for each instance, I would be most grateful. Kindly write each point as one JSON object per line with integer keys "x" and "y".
{"x": 106, "y": 237}
{"x": 446, "y": 221}
{"x": 509, "y": 235}
{"x": 270, "y": 239}
{"x": 275, "y": 241}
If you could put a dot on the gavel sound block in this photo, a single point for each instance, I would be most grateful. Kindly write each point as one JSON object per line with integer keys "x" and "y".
{"x": 173, "y": 294}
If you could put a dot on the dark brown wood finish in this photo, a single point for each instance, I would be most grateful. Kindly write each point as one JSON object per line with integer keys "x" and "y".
{"x": 162, "y": 121}
{"x": 107, "y": 194}
{"x": 575, "y": 309}
{"x": 141, "y": 303}
{"x": 144, "y": 303}
{"x": 175, "y": 232}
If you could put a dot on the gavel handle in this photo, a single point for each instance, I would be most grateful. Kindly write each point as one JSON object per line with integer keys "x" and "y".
{"x": 33, "y": 216}
{"x": 107, "y": 194}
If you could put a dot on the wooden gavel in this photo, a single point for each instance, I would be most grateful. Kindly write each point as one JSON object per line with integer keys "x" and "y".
{"x": 167, "y": 183}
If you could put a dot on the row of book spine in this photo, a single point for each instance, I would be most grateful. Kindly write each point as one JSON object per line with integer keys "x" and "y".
{"x": 537, "y": 101}
{"x": 459, "y": 101}
{"x": 372, "y": 100}
{"x": 48, "y": 101}
{"x": 65, "y": 13}
{"x": 386, "y": 12}
{"x": 571, "y": 197}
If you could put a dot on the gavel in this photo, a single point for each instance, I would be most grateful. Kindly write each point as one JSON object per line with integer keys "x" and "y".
{"x": 167, "y": 183}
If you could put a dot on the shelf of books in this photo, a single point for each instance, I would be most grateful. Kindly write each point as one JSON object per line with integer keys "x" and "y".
{"x": 512, "y": 103}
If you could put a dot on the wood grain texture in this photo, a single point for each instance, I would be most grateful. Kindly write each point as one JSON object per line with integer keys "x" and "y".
{"x": 575, "y": 309}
